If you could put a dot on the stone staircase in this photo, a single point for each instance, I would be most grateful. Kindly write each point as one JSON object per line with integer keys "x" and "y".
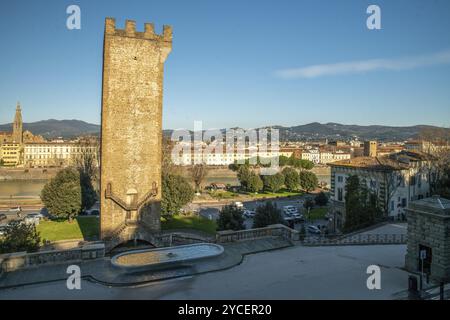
{"x": 130, "y": 230}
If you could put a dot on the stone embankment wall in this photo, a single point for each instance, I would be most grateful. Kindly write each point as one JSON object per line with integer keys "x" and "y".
{"x": 27, "y": 174}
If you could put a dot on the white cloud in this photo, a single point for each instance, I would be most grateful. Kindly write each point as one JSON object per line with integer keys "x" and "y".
{"x": 354, "y": 67}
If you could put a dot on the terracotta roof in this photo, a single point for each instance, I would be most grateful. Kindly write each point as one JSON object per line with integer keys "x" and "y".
{"x": 396, "y": 161}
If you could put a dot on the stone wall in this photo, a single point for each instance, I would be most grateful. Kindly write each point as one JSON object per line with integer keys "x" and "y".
{"x": 276, "y": 230}
{"x": 431, "y": 231}
{"x": 27, "y": 174}
{"x": 22, "y": 260}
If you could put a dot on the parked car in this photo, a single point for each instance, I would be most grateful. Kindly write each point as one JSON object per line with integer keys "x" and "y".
{"x": 3, "y": 216}
{"x": 36, "y": 214}
{"x": 31, "y": 219}
{"x": 290, "y": 210}
{"x": 15, "y": 209}
{"x": 2, "y": 230}
{"x": 297, "y": 216}
{"x": 249, "y": 213}
{"x": 238, "y": 204}
{"x": 313, "y": 229}
{"x": 96, "y": 212}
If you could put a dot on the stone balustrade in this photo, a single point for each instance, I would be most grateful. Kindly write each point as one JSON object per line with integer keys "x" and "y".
{"x": 22, "y": 260}
{"x": 276, "y": 230}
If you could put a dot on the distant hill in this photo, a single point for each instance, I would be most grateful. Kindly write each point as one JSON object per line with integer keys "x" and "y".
{"x": 311, "y": 131}
{"x": 57, "y": 128}
{"x": 335, "y": 131}
{"x": 339, "y": 131}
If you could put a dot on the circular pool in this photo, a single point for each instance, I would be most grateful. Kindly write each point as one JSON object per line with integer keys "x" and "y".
{"x": 167, "y": 257}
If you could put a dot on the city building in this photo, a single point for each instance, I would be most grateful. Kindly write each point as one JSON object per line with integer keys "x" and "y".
{"x": 57, "y": 154}
{"x": 12, "y": 143}
{"x": 312, "y": 155}
{"x": 426, "y": 146}
{"x": 11, "y": 154}
{"x": 291, "y": 151}
{"x": 397, "y": 179}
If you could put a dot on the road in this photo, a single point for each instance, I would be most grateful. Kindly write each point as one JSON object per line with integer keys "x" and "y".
{"x": 292, "y": 273}
{"x": 11, "y": 216}
{"x": 211, "y": 211}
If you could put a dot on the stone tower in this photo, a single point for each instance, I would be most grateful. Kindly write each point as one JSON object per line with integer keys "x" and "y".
{"x": 17, "y": 135}
{"x": 131, "y": 131}
{"x": 370, "y": 149}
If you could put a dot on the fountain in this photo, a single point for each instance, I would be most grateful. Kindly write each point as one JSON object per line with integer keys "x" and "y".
{"x": 165, "y": 258}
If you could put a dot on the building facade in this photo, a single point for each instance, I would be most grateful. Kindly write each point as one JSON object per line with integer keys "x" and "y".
{"x": 11, "y": 154}
{"x": 12, "y": 143}
{"x": 396, "y": 179}
{"x": 57, "y": 154}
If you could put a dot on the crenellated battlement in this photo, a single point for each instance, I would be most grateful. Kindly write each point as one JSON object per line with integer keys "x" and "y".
{"x": 130, "y": 31}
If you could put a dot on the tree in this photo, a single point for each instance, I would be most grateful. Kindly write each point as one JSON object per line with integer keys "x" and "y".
{"x": 321, "y": 199}
{"x": 353, "y": 206}
{"x": 243, "y": 175}
{"x": 166, "y": 155}
{"x": 198, "y": 174}
{"x": 443, "y": 184}
{"x": 291, "y": 179}
{"x": 233, "y": 166}
{"x": 266, "y": 215}
{"x": 19, "y": 237}
{"x": 361, "y": 205}
{"x": 283, "y": 161}
{"x": 230, "y": 218}
{"x": 62, "y": 195}
{"x": 254, "y": 183}
{"x": 308, "y": 181}
{"x": 436, "y": 142}
{"x": 306, "y": 164}
{"x": 273, "y": 182}
{"x": 308, "y": 204}
{"x": 86, "y": 164}
{"x": 176, "y": 193}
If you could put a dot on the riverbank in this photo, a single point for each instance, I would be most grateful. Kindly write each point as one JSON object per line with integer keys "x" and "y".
{"x": 28, "y": 174}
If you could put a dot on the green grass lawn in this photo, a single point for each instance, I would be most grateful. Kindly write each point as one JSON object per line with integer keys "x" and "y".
{"x": 189, "y": 222}
{"x": 82, "y": 228}
{"x": 221, "y": 194}
{"x": 280, "y": 194}
{"x": 318, "y": 213}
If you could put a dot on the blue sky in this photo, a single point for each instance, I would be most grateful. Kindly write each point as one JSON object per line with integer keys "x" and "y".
{"x": 239, "y": 63}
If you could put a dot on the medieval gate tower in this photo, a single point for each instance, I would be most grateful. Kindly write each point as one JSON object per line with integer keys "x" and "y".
{"x": 131, "y": 133}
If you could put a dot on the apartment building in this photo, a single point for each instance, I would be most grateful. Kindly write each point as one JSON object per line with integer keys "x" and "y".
{"x": 397, "y": 179}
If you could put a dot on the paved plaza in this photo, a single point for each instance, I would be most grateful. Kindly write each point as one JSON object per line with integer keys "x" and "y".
{"x": 335, "y": 272}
